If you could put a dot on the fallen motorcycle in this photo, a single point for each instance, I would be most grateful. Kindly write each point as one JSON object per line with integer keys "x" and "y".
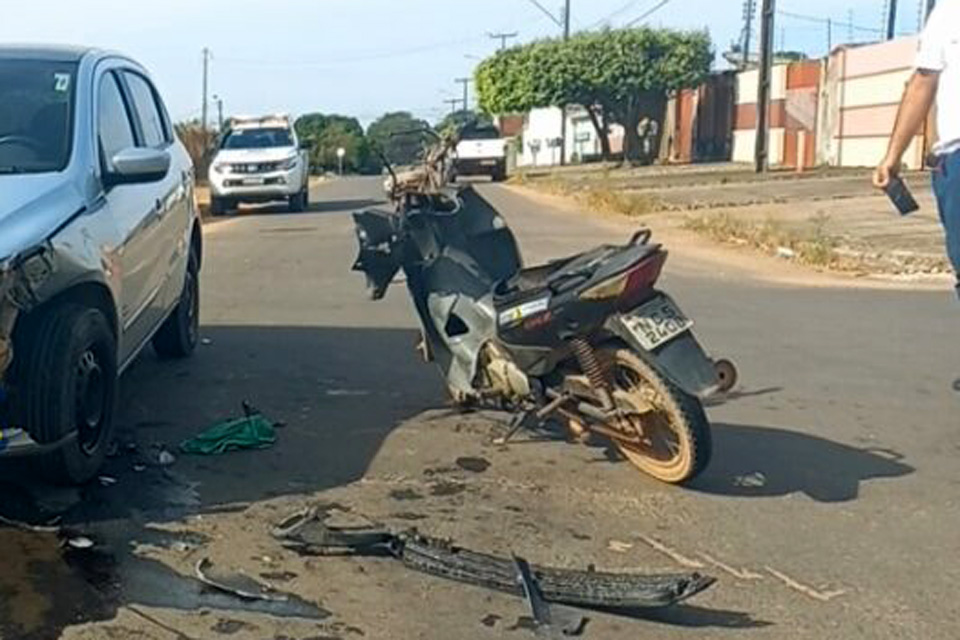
{"x": 588, "y": 339}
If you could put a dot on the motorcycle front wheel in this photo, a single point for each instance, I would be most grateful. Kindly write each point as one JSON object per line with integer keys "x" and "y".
{"x": 669, "y": 432}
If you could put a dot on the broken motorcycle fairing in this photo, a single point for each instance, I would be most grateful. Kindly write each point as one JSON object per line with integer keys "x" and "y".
{"x": 595, "y": 589}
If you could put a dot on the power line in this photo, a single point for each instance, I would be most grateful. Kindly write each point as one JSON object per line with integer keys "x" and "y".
{"x": 836, "y": 23}
{"x": 547, "y": 12}
{"x": 649, "y": 13}
{"x": 623, "y": 9}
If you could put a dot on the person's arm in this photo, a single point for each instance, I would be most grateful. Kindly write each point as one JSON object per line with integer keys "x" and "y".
{"x": 917, "y": 101}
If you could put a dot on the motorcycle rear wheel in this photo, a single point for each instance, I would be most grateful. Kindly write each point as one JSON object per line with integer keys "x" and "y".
{"x": 670, "y": 422}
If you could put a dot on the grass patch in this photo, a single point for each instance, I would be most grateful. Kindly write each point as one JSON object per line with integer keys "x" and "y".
{"x": 599, "y": 197}
{"x": 809, "y": 243}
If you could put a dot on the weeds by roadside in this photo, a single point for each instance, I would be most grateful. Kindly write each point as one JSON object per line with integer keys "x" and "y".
{"x": 602, "y": 197}
{"x": 811, "y": 244}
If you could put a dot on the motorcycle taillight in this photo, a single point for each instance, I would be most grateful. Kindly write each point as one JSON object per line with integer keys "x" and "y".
{"x": 642, "y": 278}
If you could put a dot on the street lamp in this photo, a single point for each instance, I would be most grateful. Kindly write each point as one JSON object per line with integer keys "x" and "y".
{"x": 341, "y": 152}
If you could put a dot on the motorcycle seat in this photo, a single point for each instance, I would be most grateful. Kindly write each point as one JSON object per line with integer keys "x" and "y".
{"x": 597, "y": 264}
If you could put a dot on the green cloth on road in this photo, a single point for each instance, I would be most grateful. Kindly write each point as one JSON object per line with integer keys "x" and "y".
{"x": 252, "y": 432}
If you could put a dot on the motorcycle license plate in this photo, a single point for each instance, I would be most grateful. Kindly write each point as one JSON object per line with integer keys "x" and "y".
{"x": 657, "y": 323}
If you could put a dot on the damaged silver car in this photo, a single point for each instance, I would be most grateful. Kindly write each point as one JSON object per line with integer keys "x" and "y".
{"x": 100, "y": 248}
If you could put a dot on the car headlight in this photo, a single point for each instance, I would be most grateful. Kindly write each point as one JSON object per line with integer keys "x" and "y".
{"x": 221, "y": 167}
{"x": 289, "y": 163}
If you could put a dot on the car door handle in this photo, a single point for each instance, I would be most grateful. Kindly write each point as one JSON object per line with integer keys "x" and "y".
{"x": 158, "y": 209}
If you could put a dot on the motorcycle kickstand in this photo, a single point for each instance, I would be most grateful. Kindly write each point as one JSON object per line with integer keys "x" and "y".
{"x": 523, "y": 419}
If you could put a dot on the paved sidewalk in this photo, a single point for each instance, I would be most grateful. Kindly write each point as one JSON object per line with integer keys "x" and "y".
{"x": 835, "y": 207}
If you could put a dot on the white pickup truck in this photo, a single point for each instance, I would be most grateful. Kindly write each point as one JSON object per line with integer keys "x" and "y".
{"x": 482, "y": 152}
{"x": 259, "y": 160}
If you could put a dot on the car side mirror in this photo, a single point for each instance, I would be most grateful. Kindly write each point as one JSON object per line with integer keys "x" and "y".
{"x": 138, "y": 165}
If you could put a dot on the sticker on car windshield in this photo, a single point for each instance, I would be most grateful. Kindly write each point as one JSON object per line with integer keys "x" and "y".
{"x": 61, "y": 82}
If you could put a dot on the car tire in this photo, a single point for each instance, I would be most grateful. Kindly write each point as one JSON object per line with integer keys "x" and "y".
{"x": 218, "y": 206}
{"x": 179, "y": 335}
{"x": 68, "y": 384}
{"x": 300, "y": 202}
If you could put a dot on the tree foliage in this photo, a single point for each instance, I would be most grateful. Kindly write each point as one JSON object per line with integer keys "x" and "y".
{"x": 327, "y": 133}
{"x": 617, "y": 75}
{"x": 400, "y": 135}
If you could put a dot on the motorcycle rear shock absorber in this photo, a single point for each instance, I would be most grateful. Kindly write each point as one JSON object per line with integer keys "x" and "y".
{"x": 592, "y": 367}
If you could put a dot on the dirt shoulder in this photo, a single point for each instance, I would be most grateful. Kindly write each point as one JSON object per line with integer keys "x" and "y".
{"x": 828, "y": 221}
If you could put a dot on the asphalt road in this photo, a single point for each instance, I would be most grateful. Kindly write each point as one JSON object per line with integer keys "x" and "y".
{"x": 830, "y": 509}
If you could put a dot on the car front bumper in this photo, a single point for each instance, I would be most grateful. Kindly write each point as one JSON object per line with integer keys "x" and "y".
{"x": 261, "y": 186}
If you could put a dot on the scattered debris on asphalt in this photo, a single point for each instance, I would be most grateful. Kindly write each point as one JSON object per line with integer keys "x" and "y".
{"x": 50, "y": 527}
{"x": 237, "y": 584}
{"x": 252, "y": 431}
{"x": 206, "y": 341}
{"x": 107, "y": 481}
{"x": 165, "y": 458}
{"x": 307, "y": 533}
{"x": 80, "y": 542}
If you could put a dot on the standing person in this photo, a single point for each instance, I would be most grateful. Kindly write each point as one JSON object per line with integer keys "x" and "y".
{"x": 936, "y": 79}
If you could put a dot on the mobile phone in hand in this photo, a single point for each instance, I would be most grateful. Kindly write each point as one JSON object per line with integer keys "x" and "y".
{"x": 901, "y": 197}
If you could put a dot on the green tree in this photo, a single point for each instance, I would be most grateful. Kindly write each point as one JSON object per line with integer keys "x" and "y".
{"x": 400, "y": 135}
{"x": 618, "y": 76}
{"x": 326, "y": 134}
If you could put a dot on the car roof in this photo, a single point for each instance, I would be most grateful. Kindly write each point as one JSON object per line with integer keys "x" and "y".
{"x": 56, "y": 53}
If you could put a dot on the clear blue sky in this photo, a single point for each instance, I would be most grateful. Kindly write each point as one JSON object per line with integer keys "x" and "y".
{"x": 364, "y": 57}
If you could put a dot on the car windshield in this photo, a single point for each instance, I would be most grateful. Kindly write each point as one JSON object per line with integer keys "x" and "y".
{"x": 36, "y": 115}
{"x": 258, "y": 139}
{"x": 479, "y": 132}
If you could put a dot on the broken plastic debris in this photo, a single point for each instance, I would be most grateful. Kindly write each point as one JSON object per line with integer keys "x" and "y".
{"x": 786, "y": 253}
{"x": 307, "y": 533}
{"x": 238, "y": 584}
{"x": 80, "y": 542}
{"x": 107, "y": 481}
{"x": 751, "y": 480}
{"x": 206, "y": 342}
{"x": 619, "y": 546}
{"x": 165, "y": 458}
{"x": 139, "y": 467}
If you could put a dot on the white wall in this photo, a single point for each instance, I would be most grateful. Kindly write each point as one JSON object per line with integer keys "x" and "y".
{"x": 542, "y": 127}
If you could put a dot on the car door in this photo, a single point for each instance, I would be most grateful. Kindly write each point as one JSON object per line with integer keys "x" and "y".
{"x": 174, "y": 211}
{"x": 133, "y": 209}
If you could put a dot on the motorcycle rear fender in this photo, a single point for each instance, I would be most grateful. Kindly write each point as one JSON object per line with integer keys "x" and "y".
{"x": 682, "y": 360}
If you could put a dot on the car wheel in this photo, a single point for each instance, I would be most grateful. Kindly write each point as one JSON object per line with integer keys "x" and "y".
{"x": 299, "y": 202}
{"x": 179, "y": 335}
{"x": 69, "y": 386}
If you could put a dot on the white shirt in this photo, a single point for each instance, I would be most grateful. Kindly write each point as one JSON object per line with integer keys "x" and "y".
{"x": 940, "y": 51}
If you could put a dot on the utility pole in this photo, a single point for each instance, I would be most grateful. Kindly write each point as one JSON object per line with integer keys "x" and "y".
{"x": 749, "y": 13}
{"x": 829, "y": 36}
{"x": 219, "y": 102}
{"x": 930, "y": 6}
{"x": 206, "y": 77}
{"x": 762, "y": 156}
{"x": 503, "y": 37}
{"x": 563, "y": 109}
{"x": 466, "y": 91}
{"x": 453, "y": 102}
{"x": 892, "y": 20}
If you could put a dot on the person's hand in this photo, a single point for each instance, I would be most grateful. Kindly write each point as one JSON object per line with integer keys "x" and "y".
{"x": 887, "y": 171}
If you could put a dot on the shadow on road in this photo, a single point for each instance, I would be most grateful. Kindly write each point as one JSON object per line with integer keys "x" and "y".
{"x": 694, "y": 617}
{"x": 343, "y": 206}
{"x": 338, "y": 391}
{"x": 762, "y": 462}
